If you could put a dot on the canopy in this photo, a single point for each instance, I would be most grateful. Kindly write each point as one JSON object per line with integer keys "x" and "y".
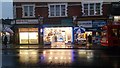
{"x": 79, "y": 30}
{"x": 7, "y": 29}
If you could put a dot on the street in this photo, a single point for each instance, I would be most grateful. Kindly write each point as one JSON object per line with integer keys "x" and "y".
{"x": 71, "y": 58}
{"x": 60, "y": 33}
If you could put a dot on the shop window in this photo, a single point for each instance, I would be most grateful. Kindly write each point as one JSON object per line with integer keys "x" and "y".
{"x": 92, "y": 9}
{"x": 28, "y": 35}
{"x": 57, "y": 34}
{"x": 28, "y": 11}
{"x": 58, "y": 10}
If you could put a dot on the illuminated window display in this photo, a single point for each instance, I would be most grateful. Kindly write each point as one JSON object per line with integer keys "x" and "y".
{"x": 57, "y": 34}
{"x": 28, "y": 35}
{"x": 81, "y": 38}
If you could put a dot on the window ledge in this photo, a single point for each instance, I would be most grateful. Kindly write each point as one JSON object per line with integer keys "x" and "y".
{"x": 56, "y": 16}
{"x": 90, "y": 15}
{"x": 28, "y": 16}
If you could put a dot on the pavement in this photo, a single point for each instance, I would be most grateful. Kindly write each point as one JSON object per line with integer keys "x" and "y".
{"x": 60, "y": 58}
{"x": 66, "y": 46}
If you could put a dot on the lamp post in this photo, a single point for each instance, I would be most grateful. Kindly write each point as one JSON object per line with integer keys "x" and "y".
{"x": 40, "y": 21}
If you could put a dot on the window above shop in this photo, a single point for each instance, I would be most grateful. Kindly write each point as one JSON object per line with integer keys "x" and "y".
{"x": 92, "y": 9}
{"x": 28, "y": 10}
{"x": 57, "y": 10}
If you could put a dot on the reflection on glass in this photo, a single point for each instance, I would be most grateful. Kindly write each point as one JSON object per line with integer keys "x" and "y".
{"x": 28, "y": 56}
{"x": 58, "y": 56}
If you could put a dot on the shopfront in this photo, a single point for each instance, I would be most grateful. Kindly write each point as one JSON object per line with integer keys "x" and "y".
{"x": 26, "y": 31}
{"x": 29, "y": 31}
{"x": 58, "y": 34}
{"x": 81, "y": 38}
{"x": 97, "y": 24}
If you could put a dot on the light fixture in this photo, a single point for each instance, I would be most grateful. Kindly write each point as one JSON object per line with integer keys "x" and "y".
{"x": 74, "y": 18}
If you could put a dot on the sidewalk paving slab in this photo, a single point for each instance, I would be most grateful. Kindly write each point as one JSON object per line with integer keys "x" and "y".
{"x": 11, "y": 46}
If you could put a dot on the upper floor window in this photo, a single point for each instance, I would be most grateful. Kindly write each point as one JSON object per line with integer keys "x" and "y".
{"x": 28, "y": 10}
{"x": 57, "y": 10}
{"x": 92, "y": 9}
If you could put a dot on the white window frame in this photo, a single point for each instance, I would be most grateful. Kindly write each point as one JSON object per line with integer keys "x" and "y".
{"x": 60, "y": 9}
{"x": 23, "y": 15}
{"x": 94, "y": 8}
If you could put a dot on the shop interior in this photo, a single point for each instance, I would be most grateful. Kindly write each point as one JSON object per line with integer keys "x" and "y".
{"x": 58, "y": 35}
{"x": 81, "y": 38}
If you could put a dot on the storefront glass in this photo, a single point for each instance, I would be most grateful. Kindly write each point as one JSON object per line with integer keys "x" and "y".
{"x": 82, "y": 38}
{"x": 28, "y": 35}
{"x": 57, "y": 34}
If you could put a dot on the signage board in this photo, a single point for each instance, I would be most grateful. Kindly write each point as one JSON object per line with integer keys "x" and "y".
{"x": 98, "y": 23}
{"x": 27, "y": 21}
{"x": 86, "y": 24}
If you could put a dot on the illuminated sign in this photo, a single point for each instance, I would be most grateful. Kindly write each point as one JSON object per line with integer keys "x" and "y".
{"x": 85, "y": 23}
{"x": 98, "y": 23}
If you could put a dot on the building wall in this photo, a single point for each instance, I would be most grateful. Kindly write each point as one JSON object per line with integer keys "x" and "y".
{"x": 18, "y": 12}
{"x": 42, "y": 11}
{"x": 74, "y": 9}
{"x": 62, "y": 0}
{"x": 106, "y": 9}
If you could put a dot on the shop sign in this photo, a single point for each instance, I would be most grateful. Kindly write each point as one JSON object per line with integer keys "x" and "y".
{"x": 35, "y": 21}
{"x": 99, "y": 23}
{"x": 66, "y": 21}
{"x": 91, "y": 29}
{"x": 86, "y": 24}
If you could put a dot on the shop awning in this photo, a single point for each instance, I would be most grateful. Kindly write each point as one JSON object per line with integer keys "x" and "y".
{"x": 7, "y": 29}
{"x": 93, "y": 29}
{"x": 79, "y": 30}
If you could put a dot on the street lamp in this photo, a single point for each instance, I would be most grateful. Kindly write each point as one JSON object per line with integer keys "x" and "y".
{"x": 40, "y": 22}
